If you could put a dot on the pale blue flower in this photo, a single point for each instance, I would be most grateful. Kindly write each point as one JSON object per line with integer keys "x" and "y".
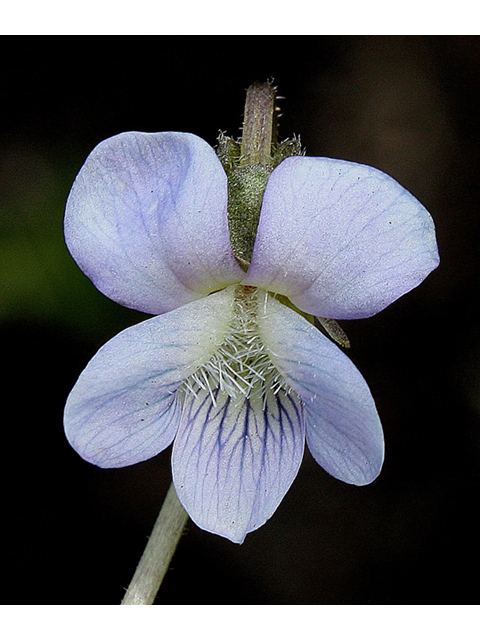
{"x": 234, "y": 377}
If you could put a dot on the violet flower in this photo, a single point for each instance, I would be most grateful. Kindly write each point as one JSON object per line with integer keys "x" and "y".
{"x": 230, "y": 373}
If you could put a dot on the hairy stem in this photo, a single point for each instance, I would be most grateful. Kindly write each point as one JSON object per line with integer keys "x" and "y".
{"x": 258, "y": 124}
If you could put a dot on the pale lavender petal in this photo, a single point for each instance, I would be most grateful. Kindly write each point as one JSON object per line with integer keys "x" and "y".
{"x": 123, "y": 408}
{"x": 234, "y": 461}
{"x": 146, "y": 220}
{"x": 340, "y": 239}
{"x": 343, "y": 429}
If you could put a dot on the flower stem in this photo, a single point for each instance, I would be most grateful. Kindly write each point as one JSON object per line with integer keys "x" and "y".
{"x": 247, "y": 181}
{"x": 159, "y": 551}
{"x": 258, "y": 125}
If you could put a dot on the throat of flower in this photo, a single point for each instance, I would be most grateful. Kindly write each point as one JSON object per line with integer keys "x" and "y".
{"x": 241, "y": 367}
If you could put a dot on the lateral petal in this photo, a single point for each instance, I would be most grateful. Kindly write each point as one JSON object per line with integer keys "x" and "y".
{"x": 340, "y": 239}
{"x": 343, "y": 429}
{"x": 123, "y": 408}
{"x": 146, "y": 220}
{"x": 233, "y": 461}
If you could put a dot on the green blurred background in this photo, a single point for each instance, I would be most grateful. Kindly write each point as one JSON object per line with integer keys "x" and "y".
{"x": 72, "y": 533}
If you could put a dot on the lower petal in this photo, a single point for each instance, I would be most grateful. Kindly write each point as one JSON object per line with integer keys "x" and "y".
{"x": 234, "y": 460}
{"x": 343, "y": 429}
{"x": 123, "y": 408}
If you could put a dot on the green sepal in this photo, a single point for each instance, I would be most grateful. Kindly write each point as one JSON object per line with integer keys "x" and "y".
{"x": 246, "y": 186}
{"x": 333, "y": 330}
{"x": 228, "y": 152}
{"x": 285, "y": 149}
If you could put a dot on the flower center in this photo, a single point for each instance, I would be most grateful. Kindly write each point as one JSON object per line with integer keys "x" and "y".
{"x": 241, "y": 366}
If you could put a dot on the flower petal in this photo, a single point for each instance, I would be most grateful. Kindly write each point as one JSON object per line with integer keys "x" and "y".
{"x": 123, "y": 408}
{"x": 234, "y": 461}
{"x": 343, "y": 429}
{"x": 146, "y": 220}
{"x": 340, "y": 239}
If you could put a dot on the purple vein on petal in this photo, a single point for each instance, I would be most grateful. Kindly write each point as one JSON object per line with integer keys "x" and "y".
{"x": 233, "y": 462}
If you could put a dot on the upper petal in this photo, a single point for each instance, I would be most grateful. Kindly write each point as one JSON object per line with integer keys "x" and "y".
{"x": 123, "y": 408}
{"x": 343, "y": 429}
{"x": 234, "y": 460}
{"x": 340, "y": 239}
{"x": 146, "y": 220}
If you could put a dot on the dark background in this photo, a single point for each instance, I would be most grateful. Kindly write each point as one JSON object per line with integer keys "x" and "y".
{"x": 73, "y": 533}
